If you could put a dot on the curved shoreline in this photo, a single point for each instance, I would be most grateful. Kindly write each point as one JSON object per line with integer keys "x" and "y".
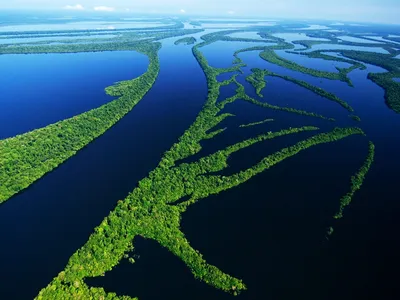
{"x": 27, "y": 157}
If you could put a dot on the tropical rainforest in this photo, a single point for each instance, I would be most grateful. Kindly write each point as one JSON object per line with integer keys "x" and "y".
{"x": 191, "y": 171}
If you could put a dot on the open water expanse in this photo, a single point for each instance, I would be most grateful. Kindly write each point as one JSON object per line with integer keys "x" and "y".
{"x": 270, "y": 231}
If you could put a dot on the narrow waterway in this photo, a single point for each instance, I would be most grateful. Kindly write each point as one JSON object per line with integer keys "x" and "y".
{"x": 43, "y": 226}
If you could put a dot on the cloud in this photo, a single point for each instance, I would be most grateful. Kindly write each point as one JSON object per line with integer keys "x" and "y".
{"x": 104, "y": 8}
{"x": 182, "y": 11}
{"x": 231, "y": 12}
{"x": 74, "y": 7}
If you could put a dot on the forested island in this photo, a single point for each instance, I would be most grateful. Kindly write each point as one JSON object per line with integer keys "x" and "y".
{"x": 27, "y": 157}
{"x": 186, "y": 41}
{"x": 185, "y": 174}
{"x": 153, "y": 209}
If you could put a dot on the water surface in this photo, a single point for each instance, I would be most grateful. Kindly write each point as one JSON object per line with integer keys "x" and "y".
{"x": 269, "y": 231}
{"x": 56, "y": 215}
{"x": 41, "y": 89}
{"x": 246, "y": 35}
{"x": 347, "y": 47}
{"x": 57, "y": 38}
{"x": 355, "y": 39}
{"x": 290, "y": 37}
{"x": 313, "y": 63}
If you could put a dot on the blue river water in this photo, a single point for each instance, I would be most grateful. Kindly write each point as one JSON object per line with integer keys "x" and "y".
{"x": 269, "y": 231}
{"x": 38, "y": 90}
{"x": 54, "y": 224}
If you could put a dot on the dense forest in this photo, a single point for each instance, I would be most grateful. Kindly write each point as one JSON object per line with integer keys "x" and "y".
{"x": 154, "y": 207}
{"x": 186, "y": 41}
{"x": 27, "y": 157}
{"x": 153, "y": 210}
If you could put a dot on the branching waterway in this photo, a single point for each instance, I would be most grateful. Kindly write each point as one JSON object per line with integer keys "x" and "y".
{"x": 94, "y": 179}
{"x": 237, "y": 164}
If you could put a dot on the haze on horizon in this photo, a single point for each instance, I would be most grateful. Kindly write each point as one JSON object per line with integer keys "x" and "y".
{"x": 375, "y": 11}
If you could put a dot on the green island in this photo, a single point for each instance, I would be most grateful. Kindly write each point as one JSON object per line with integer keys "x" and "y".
{"x": 257, "y": 80}
{"x": 355, "y": 118}
{"x": 256, "y": 123}
{"x": 260, "y": 74}
{"x": 384, "y": 80}
{"x": 27, "y": 157}
{"x": 186, "y": 41}
{"x": 269, "y": 55}
{"x": 308, "y": 44}
{"x": 356, "y": 183}
{"x": 153, "y": 209}
{"x": 272, "y": 57}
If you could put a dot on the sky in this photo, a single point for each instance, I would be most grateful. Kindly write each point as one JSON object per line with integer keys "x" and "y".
{"x": 376, "y": 11}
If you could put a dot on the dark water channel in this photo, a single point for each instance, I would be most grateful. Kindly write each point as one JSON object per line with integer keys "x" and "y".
{"x": 43, "y": 226}
{"x": 269, "y": 231}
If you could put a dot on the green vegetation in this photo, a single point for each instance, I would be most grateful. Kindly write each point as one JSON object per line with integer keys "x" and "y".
{"x": 391, "y": 87}
{"x": 257, "y": 80}
{"x": 319, "y": 54}
{"x": 355, "y": 118}
{"x": 317, "y": 90}
{"x": 270, "y": 56}
{"x": 126, "y": 42}
{"x": 256, "y": 123}
{"x": 308, "y": 44}
{"x": 388, "y": 62}
{"x": 186, "y": 41}
{"x": 27, "y": 157}
{"x": 356, "y": 181}
{"x": 240, "y": 94}
{"x": 286, "y": 109}
{"x": 153, "y": 210}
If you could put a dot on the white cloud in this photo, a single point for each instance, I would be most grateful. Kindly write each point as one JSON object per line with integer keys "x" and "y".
{"x": 104, "y": 8}
{"x": 74, "y": 7}
{"x": 231, "y": 12}
{"x": 182, "y": 11}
